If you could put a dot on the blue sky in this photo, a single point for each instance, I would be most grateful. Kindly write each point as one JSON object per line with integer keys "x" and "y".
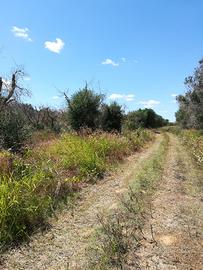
{"x": 137, "y": 52}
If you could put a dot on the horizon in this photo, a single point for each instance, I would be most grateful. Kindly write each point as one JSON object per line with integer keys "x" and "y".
{"x": 137, "y": 53}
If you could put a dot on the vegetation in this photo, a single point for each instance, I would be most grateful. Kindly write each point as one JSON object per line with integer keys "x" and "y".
{"x": 145, "y": 118}
{"x": 190, "y": 113}
{"x": 84, "y": 109}
{"x": 31, "y": 186}
{"x": 192, "y": 140}
{"x": 14, "y": 131}
{"x": 111, "y": 117}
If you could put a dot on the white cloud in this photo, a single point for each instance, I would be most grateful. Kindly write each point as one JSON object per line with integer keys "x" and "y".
{"x": 123, "y": 59}
{"x": 21, "y": 33}
{"x": 129, "y": 97}
{"x": 115, "y": 96}
{"x": 151, "y": 103}
{"x": 174, "y": 95}
{"x": 56, "y": 97}
{"x": 54, "y": 46}
{"x": 109, "y": 61}
{"x": 27, "y": 78}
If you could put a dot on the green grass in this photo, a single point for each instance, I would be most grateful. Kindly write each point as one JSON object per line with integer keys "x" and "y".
{"x": 32, "y": 186}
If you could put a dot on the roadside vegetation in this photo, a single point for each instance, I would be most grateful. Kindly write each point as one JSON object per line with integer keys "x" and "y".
{"x": 192, "y": 140}
{"x": 189, "y": 116}
{"x": 32, "y": 185}
{"x": 190, "y": 113}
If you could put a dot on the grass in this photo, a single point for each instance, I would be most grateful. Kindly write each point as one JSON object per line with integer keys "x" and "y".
{"x": 32, "y": 186}
{"x": 121, "y": 231}
{"x": 192, "y": 140}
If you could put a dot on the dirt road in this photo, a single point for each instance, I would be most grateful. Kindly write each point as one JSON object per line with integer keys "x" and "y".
{"x": 177, "y": 215}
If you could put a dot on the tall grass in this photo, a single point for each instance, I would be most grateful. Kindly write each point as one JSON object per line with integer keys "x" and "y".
{"x": 192, "y": 140}
{"x": 32, "y": 186}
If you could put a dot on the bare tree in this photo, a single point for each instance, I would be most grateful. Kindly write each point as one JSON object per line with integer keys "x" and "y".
{"x": 11, "y": 90}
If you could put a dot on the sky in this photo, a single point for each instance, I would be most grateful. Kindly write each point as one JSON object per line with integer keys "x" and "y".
{"x": 136, "y": 52}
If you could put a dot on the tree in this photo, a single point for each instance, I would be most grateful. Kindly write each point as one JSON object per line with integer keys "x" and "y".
{"x": 11, "y": 90}
{"x": 13, "y": 127}
{"x": 111, "y": 117}
{"x": 190, "y": 113}
{"x": 84, "y": 109}
{"x": 146, "y": 118}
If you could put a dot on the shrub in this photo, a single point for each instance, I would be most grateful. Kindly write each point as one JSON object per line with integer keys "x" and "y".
{"x": 146, "y": 118}
{"x": 111, "y": 117}
{"x": 14, "y": 131}
{"x": 84, "y": 109}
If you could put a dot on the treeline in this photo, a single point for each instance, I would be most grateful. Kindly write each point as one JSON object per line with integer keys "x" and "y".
{"x": 190, "y": 113}
{"x": 85, "y": 110}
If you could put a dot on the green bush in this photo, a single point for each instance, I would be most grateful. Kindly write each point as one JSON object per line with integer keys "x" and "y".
{"x": 111, "y": 117}
{"x": 14, "y": 131}
{"x": 84, "y": 109}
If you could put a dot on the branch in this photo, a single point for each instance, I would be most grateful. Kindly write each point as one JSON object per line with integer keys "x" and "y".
{"x": 1, "y": 85}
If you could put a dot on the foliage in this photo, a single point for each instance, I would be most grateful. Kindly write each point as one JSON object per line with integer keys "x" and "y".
{"x": 145, "y": 118}
{"x": 111, "y": 117}
{"x": 14, "y": 130}
{"x": 192, "y": 139}
{"x": 20, "y": 122}
{"x": 43, "y": 118}
{"x": 33, "y": 185}
{"x": 84, "y": 109}
{"x": 190, "y": 113}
